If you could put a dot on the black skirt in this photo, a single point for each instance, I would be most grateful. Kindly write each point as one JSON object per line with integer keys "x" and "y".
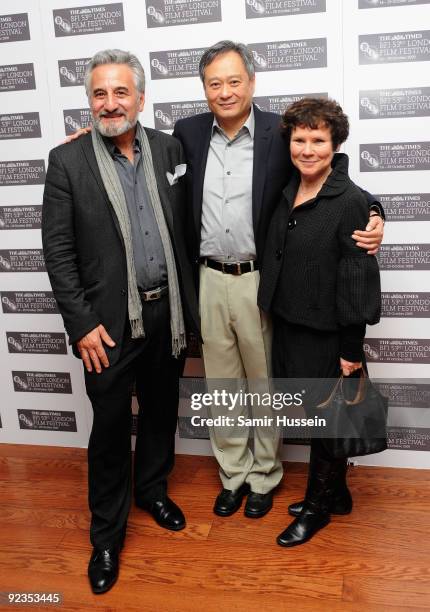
{"x": 302, "y": 352}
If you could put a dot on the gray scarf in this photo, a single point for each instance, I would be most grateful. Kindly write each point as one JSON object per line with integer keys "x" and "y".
{"x": 116, "y": 196}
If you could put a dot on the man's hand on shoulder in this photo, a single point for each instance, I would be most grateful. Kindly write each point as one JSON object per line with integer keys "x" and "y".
{"x": 77, "y": 134}
{"x": 370, "y": 239}
{"x": 92, "y": 351}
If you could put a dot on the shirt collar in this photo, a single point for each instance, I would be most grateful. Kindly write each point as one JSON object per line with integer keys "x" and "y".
{"x": 249, "y": 124}
{"x": 113, "y": 149}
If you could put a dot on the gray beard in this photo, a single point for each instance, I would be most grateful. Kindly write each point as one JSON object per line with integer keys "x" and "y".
{"x": 113, "y": 130}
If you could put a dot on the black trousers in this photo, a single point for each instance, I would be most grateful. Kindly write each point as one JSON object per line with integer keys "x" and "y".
{"x": 148, "y": 364}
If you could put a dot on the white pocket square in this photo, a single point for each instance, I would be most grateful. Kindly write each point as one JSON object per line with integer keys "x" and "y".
{"x": 179, "y": 171}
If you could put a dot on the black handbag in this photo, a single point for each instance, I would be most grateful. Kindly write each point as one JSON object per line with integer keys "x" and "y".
{"x": 355, "y": 427}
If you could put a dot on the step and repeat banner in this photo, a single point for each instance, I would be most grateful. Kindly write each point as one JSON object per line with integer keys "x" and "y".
{"x": 368, "y": 54}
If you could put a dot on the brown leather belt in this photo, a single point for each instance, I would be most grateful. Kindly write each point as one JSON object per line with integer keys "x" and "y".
{"x": 237, "y": 268}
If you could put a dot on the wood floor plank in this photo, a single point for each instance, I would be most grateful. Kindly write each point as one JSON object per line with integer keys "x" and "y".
{"x": 386, "y": 473}
{"x": 146, "y": 597}
{"x": 399, "y": 492}
{"x": 29, "y": 468}
{"x": 42, "y": 537}
{"x": 383, "y": 591}
{"x": 38, "y": 518}
{"x": 186, "y": 468}
{"x": 66, "y": 519}
{"x": 43, "y": 494}
{"x": 368, "y": 516}
{"x": 140, "y": 522}
{"x": 339, "y": 536}
{"x": 36, "y": 451}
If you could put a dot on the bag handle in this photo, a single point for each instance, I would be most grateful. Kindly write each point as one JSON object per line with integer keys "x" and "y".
{"x": 330, "y": 398}
{"x": 361, "y": 391}
{"x": 359, "y": 397}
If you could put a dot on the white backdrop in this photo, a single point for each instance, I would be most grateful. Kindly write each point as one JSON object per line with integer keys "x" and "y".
{"x": 370, "y": 55}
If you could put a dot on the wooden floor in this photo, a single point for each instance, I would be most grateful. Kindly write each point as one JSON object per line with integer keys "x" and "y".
{"x": 378, "y": 558}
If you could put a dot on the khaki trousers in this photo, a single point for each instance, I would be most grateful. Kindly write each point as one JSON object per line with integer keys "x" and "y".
{"x": 237, "y": 339}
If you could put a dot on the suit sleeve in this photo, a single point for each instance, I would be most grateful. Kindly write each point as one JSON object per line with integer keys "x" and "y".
{"x": 177, "y": 131}
{"x": 373, "y": 203}
{"x": 59, "y": 248}
{"x": 358, "y": 293}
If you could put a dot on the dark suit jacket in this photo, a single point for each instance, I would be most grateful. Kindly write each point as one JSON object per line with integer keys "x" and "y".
{"x": 271, "y": 171}
{"x": 83, "y": 246}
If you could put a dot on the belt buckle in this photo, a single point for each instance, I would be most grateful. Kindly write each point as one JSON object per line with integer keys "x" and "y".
{"x": 152, "y": 295}
{"x": 235, "y": 268}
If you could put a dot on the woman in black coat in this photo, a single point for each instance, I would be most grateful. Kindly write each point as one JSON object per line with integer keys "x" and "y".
{"x": 320, "y": 287}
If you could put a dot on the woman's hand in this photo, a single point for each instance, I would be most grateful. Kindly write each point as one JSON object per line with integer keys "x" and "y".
{"x": 77, "y": 134}
{"x": 348, "y": 367}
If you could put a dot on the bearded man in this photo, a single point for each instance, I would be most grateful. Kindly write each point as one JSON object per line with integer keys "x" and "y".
{"x": 115, "y": 254}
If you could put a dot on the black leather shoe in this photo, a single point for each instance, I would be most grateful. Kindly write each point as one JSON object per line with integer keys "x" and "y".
{"x": 340, "y": 504}
{"x": 166, "y": 513}
{"x": 228, "y": 502}
{"x": 306, "y": 525}
{"x": 103, "y": 569}
{"x": 258, "y": 504}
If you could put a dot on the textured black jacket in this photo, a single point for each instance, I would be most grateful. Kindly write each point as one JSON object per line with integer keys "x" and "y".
{"x": 82, "y": 242}
{"x": 313, "y": 273}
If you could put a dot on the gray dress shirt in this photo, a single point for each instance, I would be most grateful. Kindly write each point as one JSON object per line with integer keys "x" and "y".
{"x": 227, "y": 232}
{"x": 149, "y": 260}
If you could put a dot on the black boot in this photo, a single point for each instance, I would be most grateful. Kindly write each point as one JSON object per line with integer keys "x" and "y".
{"x": 315, "y": 513}
{"x": 341, "y": 502}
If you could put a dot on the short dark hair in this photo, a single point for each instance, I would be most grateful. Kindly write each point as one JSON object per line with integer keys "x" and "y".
{"x": 313, "y": 112}
{"x": 224, "y": 46}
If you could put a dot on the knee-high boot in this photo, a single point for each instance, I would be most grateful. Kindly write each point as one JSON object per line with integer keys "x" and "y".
{"x": 341, "y": 501}
{"x": 315, "y": 513}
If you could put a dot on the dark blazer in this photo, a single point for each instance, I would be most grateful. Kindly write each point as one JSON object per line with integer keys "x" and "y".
{"x": 313, "y": 273}
{"x": 271, "y": 171}
{"x": 82, "y": 242}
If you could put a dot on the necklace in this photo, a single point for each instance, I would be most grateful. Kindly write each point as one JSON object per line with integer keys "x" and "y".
{"x": 313, "y": 189}
{"x": 316, "y": 188}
